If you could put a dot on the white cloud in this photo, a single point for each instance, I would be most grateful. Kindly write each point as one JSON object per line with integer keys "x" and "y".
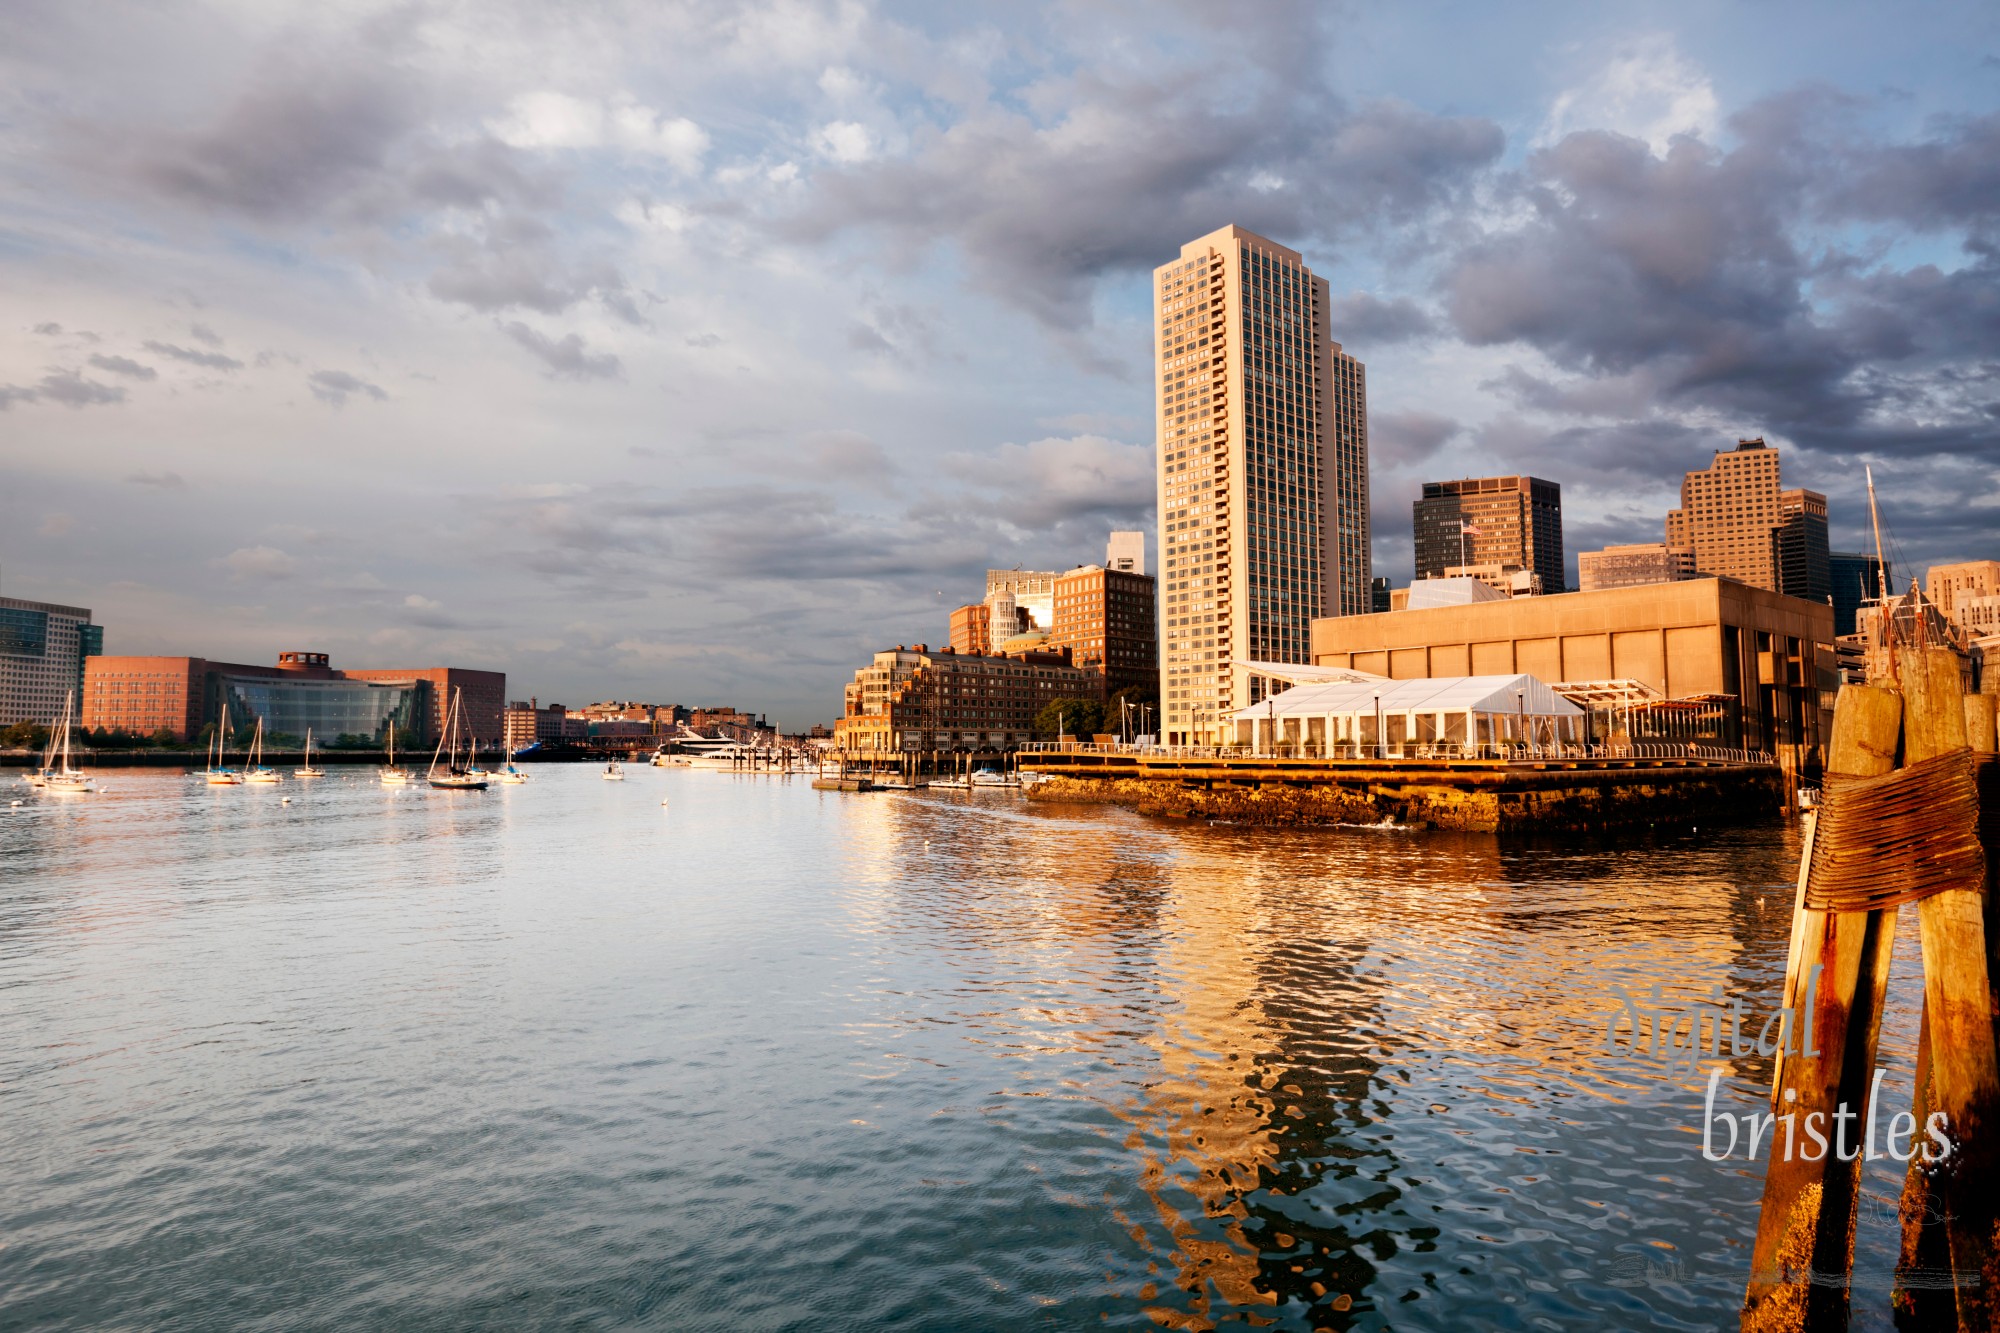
{"x": 1646, "y": 90}
{"x": 845, "y": 141}
{"x": 551, "y": 120}
{"x": 258, "y": 562}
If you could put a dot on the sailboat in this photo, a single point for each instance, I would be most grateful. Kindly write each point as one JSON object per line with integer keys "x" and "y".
{"x": 219, "y": 773}
{"x": 254, "y": 767}
{"x": 509, "y": 773}
{"x": 62, "y": 777}
{"x": 472, "y": 765}
{"x": 393, "y": 776}
{"x": 39, "y": 776}
{"x": 456, "y": 776}
{"x": 309, "y": 771}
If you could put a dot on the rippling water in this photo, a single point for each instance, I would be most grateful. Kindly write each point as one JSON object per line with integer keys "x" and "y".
{"x": 557, "y": 1056}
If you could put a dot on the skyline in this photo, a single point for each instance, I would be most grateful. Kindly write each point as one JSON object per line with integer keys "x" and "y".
{"x": 695, "y": 352}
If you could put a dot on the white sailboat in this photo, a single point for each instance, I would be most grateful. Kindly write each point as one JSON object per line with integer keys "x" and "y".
{"x": 254, "y": 767}
{"x": 456, "y": 776}
{"x": 39, "y": 776}
{"x": 219, "y": 773}
{"x": 62, "y": 777}
{"x": 393, "y": 776}
{"x": 309, "y": 771}
{"x": 509, "y": 772}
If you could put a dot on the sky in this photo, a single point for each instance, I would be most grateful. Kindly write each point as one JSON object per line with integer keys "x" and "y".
{"x": 692, "y": 352}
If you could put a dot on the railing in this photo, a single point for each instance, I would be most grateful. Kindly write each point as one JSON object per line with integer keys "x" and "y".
{"x": 1503, "y": 751}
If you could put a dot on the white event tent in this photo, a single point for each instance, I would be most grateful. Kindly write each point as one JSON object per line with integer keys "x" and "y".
{"x": 1401, "y": 717}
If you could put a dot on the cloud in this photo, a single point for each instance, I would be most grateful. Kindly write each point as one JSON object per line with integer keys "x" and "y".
{"x": 258, "y": 562}
{"x": 165, "y": 481}
{"x": 119, "y": 365}
{"x": 56, "y": 525}
{"x": 335, "y": 387}
{"x": 201, "y": 333}
{"x": 49, "y": 330}
{"x": 1399, "y": 439}
{"x": 565, "y": 357}
{"x": 844, "y": 141}
{"x": 1646, "y": 90}
{"x": 195, "y": 356}
{"x": 72, "y": 390}
{"x": 1363, "y": 320}
{"x": 1048, "y": 481}
{"x": 552, "y": 120}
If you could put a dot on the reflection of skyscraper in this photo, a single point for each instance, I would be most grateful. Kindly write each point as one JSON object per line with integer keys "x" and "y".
{"x": 1263, "y": 470}
{"x": 1855, "y": 580}
{"x": 1033, "y": 590}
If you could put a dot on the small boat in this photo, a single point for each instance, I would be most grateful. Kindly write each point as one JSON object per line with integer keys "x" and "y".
{"x": 219, "y": 773}
{"x": 508, "y": 773}
{"x": 992, "y": 777}
{"x": 254, "y": 767}
{"x": 61, "y": 777}
{"x": 455, "y": 776}
{"x": 309, "y": 771}
{"x": 613, "y": 772}
{"x": 393, "y": 776}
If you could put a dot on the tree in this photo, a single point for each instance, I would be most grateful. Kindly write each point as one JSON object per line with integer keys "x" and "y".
{"x": 1117, "y": 714}
{"x": 25, "y": 736}
{"x": 1074, "y": 717}
{"x": 164, "y": 738}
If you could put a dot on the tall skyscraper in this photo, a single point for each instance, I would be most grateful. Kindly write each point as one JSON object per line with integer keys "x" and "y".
{"x": 1740, "y": 525}
{"x": 1491, "y": 521}
{"x": 43, "y": 647}
{"x": 1856, "y": 579}
{"x": 1263, "y": 458}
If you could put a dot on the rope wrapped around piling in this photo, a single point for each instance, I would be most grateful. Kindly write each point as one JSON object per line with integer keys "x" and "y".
{"x": 1884, "y": 841}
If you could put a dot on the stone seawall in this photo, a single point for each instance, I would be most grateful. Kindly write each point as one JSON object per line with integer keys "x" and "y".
{"x": 1528, "y": 802}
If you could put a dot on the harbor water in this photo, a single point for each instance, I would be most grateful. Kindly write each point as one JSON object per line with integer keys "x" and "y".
{"x": 761, "y": 1057}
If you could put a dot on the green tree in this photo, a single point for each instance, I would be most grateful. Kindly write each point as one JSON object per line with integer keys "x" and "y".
{"x": 1075, "y": 717}
{"x": 25, "y": 736}
{"x": 164, "y": 738}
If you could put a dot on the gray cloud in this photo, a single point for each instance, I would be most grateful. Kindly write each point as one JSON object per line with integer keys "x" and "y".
{"x": 72, "y": 390}
{"x": 165, "y": 481}
{"x": 566, "y": 357}
{"x": 1398, "y": 439}
{"x": 194, "y": 356}
{"x": 119, "y": 365}
{"x": 337, "y": 386}
{"x": 1363, "y": 321}
{"x": 201, "y": 333}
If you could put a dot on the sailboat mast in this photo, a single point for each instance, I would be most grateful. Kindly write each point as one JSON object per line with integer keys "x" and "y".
{"x": 1882, "y": 579}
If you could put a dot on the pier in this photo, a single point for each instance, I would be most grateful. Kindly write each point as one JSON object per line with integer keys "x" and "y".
{"x": 1555, "y": 789}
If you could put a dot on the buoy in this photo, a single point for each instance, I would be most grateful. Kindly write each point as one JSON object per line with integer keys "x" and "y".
{"x": 286, "y": 801}
{"x": 663, "y": 801}
{"x": 16, "y": 803}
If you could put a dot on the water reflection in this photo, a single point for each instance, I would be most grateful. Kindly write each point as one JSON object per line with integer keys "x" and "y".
{"x": 768, "y": 1057}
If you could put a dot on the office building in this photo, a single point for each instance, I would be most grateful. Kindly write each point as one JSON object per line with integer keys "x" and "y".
{"x": 1126, "y": 552}
{"x": 181, "y": 695}
{"x": 529, "y": 723}
{"x": 1767, "y": 657}
{"x": 1632, "y": 566}
{"x": 972, "y": 629}
{"x": 1740, "y": 524}
{"x": 1378, "y": 595}
{"x": 915, "y": 699}
{"x": 1490, "y": 521}
{"x": 1854, "y": 580}
{"x": 1804, "y": 562}
{"x": 43, "y": 647}
{"x": 1106, "y": 619}
{"x": 1263, "y": 472}
{"x": 1948, "y": 586}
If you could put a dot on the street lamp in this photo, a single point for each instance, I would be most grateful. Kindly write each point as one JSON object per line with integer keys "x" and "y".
{"x": 1378, "y": 724}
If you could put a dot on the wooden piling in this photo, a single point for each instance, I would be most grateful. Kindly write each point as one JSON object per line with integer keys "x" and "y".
{"x": 1807, "y": 1222}
{"x": 1949, "y": 1210}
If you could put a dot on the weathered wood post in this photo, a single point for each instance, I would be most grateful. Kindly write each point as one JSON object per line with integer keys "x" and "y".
{"x": 1807, "y": 1222}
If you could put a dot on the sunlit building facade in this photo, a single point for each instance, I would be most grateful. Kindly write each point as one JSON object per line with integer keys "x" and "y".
{"x": 43, "y": 647}
{"x": 1263, "y": 472}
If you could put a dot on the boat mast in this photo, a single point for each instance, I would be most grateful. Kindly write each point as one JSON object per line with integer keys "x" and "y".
{"x": 1882, "y": 579}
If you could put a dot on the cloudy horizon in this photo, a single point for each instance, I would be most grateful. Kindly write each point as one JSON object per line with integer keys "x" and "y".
{"x": 692, "y": 352}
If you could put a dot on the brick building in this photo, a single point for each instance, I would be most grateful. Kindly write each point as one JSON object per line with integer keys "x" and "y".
{"x": 1106, "y": 619}
{"x": 916, "y": 699}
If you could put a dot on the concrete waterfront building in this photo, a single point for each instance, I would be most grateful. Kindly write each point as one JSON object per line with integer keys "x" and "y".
{"x": 1769, "y": 655}
{"x": 1263, "y": 472}
{"x": 43, "y": 647}
{"x": 1632, "y": 566}
{"x": 1126, "y": 552}
{"x": 144, "y": 695}
{"x": 1740, "y": 524}
{"x": 1856, "y": 579}
{"x": 1950, "y": 585}
{"x": 1490, "y": 521}
{"x": 915, "y": 699}
{"x": 1106, "y": 619}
